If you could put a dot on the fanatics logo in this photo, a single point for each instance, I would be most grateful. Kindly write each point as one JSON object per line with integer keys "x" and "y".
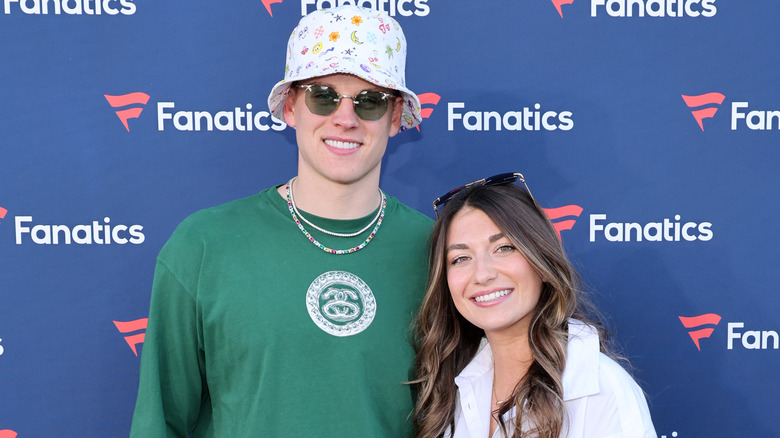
{"x": 706, "y": 105}
{"x": 695, "y": 322}
{"x": 132, "y": 326}
{"x": 654, "y": 8}
{"x": 69, "y": 7}
{"x": 405, "y": 8}
{"x": 558, "y": 3}
{"x": 558, "y": 217}
{"x": 427, "y": 99}
{"x": 646, "y": 8}
{"x": 268, "y": 3}
{"x": 125, "y": 100}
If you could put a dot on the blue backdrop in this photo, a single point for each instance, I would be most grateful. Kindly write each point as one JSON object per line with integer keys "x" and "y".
{"x": 652, "y": 127}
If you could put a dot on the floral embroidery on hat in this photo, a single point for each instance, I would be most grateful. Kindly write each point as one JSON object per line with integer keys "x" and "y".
{"x": 352, "y": 40}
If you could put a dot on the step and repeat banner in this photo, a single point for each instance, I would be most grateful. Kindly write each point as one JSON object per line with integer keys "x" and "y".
{"x": 649, "y": 128}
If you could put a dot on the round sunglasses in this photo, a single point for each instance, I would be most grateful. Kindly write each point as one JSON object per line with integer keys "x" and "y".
{"x": 323, "y": 101}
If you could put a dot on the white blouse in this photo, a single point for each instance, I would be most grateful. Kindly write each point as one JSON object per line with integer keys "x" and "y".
{"x": 601, "y": 399}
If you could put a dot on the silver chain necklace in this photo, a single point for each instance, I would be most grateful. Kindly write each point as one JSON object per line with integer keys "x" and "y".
{"x": 328, "y": 232}
{"x": 291, "y": 207}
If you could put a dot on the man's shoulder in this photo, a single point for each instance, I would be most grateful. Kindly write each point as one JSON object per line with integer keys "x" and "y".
{"x": 410, "y": 216}
{"x": 232, "y": 210}
{"x": 223, "y": 217}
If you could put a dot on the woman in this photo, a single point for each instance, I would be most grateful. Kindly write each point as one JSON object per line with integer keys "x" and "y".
{"x": 508, "y": 345}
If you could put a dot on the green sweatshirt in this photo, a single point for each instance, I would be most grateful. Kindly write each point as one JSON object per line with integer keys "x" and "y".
{"x": 255, "y": 332}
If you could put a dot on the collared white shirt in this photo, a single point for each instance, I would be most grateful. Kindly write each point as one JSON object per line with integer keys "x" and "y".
{"x": 601, "y": 399}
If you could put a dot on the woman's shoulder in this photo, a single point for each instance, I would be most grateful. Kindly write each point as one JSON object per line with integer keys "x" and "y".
{"x": 611, "y": 398}
{"x": 620, "y": 394}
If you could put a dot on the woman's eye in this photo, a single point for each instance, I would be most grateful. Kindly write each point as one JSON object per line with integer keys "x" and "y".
{"x": 458, "y": 260}
{"x": 505, "y": 248}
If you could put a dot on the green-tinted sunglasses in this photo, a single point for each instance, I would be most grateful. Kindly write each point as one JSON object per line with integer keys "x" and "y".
{"x": 323, "y": 100}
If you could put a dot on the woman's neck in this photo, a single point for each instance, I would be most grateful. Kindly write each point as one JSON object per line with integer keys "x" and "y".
{"x": 511, "y": 359}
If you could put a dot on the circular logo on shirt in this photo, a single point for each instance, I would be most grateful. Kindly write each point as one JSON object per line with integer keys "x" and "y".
{"x": 340, "y": 303}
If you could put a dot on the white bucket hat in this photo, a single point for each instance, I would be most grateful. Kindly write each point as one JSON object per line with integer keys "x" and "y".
{"x": 348, "y": 39}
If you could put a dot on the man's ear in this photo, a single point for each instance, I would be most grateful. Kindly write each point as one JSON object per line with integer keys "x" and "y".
{"x": 287, "y": 110}
{"x": 395, "y": 121}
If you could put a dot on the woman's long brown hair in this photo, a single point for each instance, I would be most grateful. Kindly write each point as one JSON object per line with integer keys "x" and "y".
{"x": 446, "y": 342}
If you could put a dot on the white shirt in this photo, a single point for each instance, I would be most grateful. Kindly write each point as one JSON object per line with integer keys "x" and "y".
{"x": 601, "y": 399}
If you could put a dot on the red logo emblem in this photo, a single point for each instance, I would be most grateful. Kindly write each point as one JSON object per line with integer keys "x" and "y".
{"x": 694, "y": 322}
{"x": 136, "y": 98}
{"x": 558, "y": 217}
{"x": 132, "y": 326}
{"x": 7, "y": 433}
{"x": 427, "y": 99}
{"x": 704, "y": 100}
{"x": 558, "y": 3}
{"x": 3, "y": 212}
{"x": 268, "y": 3}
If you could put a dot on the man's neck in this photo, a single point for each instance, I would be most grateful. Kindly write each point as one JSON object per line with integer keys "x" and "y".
{"x": 334, "y": 200}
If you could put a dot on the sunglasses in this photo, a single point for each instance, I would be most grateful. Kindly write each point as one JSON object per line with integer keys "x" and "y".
{"x": 323, "y": 100}
{"x": 495, "y": 180}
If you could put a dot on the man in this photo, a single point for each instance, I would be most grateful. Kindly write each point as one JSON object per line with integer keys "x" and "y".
{"x": 286, "y": 314}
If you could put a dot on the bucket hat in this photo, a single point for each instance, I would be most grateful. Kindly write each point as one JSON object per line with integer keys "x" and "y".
{"x": 349, "y": 39}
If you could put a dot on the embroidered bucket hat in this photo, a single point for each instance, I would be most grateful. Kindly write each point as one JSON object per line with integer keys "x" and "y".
{"x": 348, "y": 39}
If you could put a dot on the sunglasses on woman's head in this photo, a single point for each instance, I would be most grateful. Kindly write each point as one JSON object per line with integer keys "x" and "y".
{"x": 495, "y": 180}
{"x": 323, "y": 101}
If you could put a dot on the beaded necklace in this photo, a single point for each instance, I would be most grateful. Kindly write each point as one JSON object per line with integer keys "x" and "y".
{"x": 291, "y": 207}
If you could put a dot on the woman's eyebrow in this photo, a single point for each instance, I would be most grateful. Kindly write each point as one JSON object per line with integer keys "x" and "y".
{"x": 455, "y": 246}
{"x": 495, "y": 237}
